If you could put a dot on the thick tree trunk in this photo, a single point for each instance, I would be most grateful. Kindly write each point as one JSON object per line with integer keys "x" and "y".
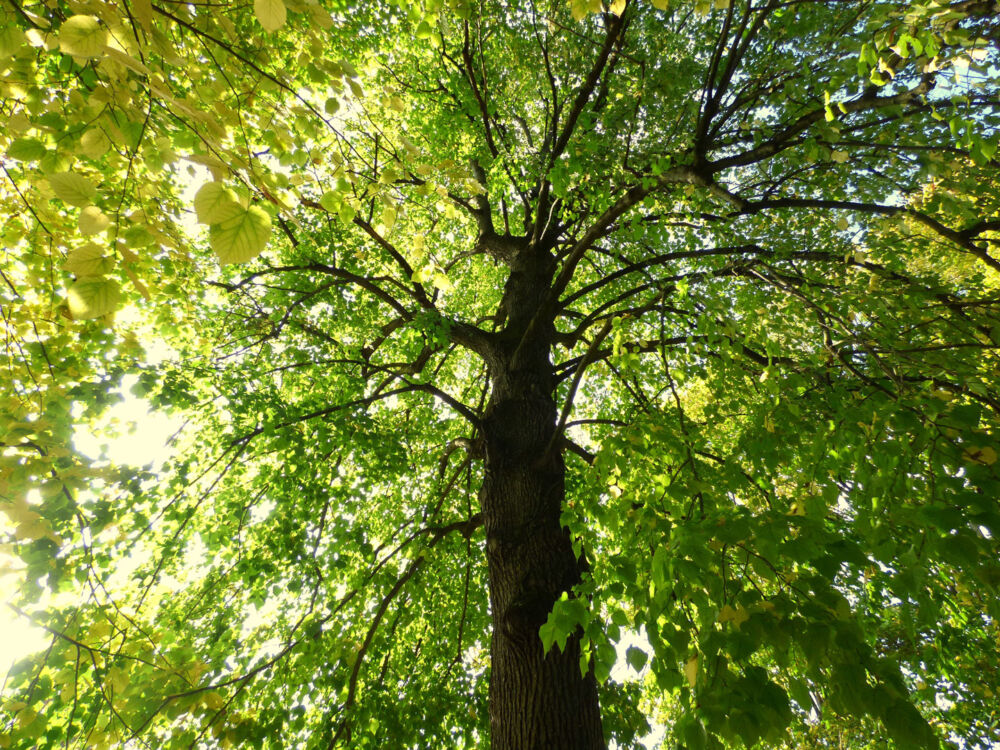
{"x": 537, "y": 701}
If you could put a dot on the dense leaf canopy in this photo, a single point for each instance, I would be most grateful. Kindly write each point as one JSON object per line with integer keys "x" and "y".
{"x": 302, "y": 226}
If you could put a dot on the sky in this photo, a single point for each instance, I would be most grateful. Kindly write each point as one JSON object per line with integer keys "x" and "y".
{"x": 138, "y": 447}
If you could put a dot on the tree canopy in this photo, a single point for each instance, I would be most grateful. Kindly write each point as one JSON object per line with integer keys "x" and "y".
{"x": 512, "y": 340}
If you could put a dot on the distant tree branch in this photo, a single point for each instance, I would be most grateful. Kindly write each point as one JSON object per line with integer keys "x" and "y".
{"x": 962, "y": 238}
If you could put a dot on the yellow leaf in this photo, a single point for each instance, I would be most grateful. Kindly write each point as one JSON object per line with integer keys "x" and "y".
{"x": 617, "y": 7}
{"x": 737, "y": 616}
{"x": 118, "y": 679}
{"x": 72, "y": 188}
{"x": 241, "y": 237}
{"x": 38, "y": 528}
{"x": 320, "y": 16}
{"x": 82, "y": 36}
{"x": 25, "y": 716}
{"x": 94, "y": 144}
{"x": 843, "y": 224}
{"x": 389, "y": 218}
{"x": 270, "y": 13}
{"x": 691, "y": 671}
{"x": 441, "y": 282}
{"x": 214, "y": 701}
{"x": 11, "y": 39}
{"x": 93, "y": 220}
{"x": 128, "y": 61}
{"x": 88, "y": 260}
{"x": 92, "y": 297}
{"x": 987, "y": 455}
{"x": 839, "y": 156}
{"x": 215, "y": 203}
{"x": 142, "y": 10}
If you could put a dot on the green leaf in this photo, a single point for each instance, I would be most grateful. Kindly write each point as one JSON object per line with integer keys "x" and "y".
{"x": 92, "y": 297}
{"x": 93, "y": 221}
{"x": 270, "y": 13}
{"x": 636, "y": 658}
{"x": 241, "y": 237}
{"x": 82, "y": 36}
{"x": 72, "y": 188}
{"x": 94, "y": 143}
{"x": 331, "y": 201}
{"x": 215, "y": 203}
{"x": 26, "y": 149}
{"x": 88, "y": 260}
{"x": 694, "y": 735}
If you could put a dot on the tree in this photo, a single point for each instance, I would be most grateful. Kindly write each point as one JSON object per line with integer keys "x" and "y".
{"x": 513, "y": 333}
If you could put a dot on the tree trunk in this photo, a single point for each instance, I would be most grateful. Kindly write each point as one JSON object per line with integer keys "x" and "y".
{"x": 537, "y": 701}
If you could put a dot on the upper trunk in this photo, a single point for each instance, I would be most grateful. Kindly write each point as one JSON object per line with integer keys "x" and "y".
{"x": 537, "y": 701}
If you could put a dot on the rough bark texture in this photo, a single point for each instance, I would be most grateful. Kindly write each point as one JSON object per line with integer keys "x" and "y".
{"x": 537, "y": 702}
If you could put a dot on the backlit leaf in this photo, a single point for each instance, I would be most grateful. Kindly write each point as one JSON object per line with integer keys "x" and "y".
{"x": 72, "y": 188}
{"x": 88, "y": 260}
{"x": 82, "y": 36}
{"x": 241, "y": 237}
{"x": 93, "y": 221}
{"x": 92, "y": 297}
{"x": 270, "y": 13}
{"x": 215, "y": 203}
{"x": 26, "y": 149}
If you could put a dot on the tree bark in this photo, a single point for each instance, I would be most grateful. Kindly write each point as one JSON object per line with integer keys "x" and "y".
{"x": 537, "y": 701}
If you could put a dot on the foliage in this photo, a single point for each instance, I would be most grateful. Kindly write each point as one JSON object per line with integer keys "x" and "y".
{"x": 777, "y": 316}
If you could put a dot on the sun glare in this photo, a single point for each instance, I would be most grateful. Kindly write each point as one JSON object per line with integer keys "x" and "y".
{"x": 141, "y": 440}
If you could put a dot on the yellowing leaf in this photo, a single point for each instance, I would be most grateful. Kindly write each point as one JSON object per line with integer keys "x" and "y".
{"x": 72, "y": 188}
{"x": 617, "y": 7}
{"x": 582, "y": 8}
{"x": 26, "y": 149}
{"x": 320, "y": 16}
{"x": 93, "y": 220}
{"x": 987, "y": 455}
{"x": 691, "y": 671}
{"x": 214, "y": 701}
{"x": 11, "y": 39}
{"x": 839, "y": 156}
{"x": 270, "y": 13}
{"x": 94, "y": 144}
{"x": 661, "y": 4}
{"x": 215, "y": 203}
{"x": 88, "y": 260}
{"x": 843, "y": 224}
{"x": 25, "y": 716}
{"x": 330, "y": 201}
{"x": 82, "y": 36}
{"x": 92, "y": 297}
{"x": 442, "y": 282}
{"x": 737, "y": 615}
{"x": 241, "y": 237}
{"x": 389, "y": 218}
{"x": 118, "y": 679}
{"x": 142, "y": 10}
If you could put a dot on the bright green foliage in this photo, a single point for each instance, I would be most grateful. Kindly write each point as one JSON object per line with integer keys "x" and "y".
{"x": 778, "y": 349}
